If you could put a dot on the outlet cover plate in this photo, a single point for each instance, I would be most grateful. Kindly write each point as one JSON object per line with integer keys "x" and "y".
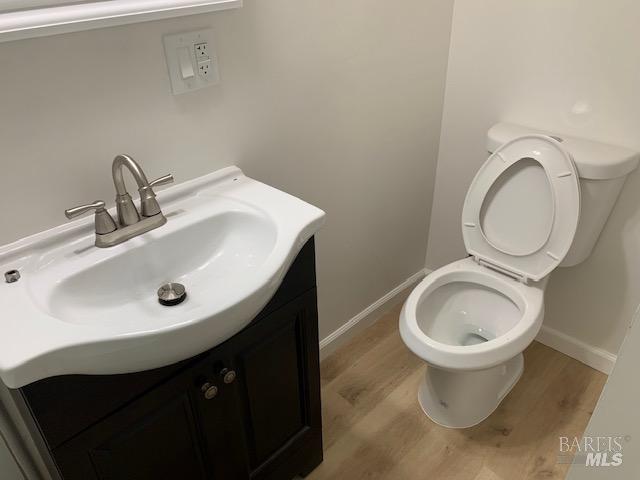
{"x": 172, "y": 45}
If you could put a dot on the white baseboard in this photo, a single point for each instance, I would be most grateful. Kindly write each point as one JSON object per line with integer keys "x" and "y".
{"x": 594, "y": 357}
{"x": 369, "y": 315}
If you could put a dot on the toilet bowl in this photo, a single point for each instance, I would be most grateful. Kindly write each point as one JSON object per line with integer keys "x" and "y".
{"x": 540, "y": 201}
{"x": 470, "y": 324}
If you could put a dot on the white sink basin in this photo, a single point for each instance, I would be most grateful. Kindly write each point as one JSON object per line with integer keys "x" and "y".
{"x": 78, "y": 309}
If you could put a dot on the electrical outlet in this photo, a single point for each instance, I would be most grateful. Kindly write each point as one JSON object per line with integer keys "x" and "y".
{"x": 201, "y": 50}
{"x": 191, "y": 60}
{"x": 204, "y": 68}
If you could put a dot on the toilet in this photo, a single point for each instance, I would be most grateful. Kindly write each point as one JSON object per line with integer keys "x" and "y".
{"x": 540, "y": 201}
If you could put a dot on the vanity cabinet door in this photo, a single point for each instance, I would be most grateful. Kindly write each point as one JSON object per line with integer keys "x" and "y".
{"x": 222, "y": 436}
{"x": 279, "y": 384}
{"x": 158, "y": 436}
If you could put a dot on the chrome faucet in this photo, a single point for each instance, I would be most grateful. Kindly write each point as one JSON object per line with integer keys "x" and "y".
{"x": 131, "y": 223}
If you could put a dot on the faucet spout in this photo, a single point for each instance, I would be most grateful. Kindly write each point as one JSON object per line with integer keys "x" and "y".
{"x": 135, "y": 169}
{"x": 127, "y": 212}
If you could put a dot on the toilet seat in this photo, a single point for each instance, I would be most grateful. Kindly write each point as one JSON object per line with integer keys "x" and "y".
{"x": 527, "y": 298}
{"x": 522, "y": 209}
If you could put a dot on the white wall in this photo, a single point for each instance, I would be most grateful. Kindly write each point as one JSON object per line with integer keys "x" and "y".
{"x": 8, "y": 468}
{"x": 336, "y": 101}
{"x": 571, "y": 67}
{"x": 617, "y": 414}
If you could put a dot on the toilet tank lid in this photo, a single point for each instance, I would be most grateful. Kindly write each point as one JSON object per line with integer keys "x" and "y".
{"x": 594, "y": 160}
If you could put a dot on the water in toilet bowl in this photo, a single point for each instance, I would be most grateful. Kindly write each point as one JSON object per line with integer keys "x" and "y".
{"x": 461, "y": 313}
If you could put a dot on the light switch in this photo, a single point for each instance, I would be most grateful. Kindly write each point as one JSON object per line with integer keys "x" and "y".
{"x": 191, "y": 60}
{"x": 186, "y": 67}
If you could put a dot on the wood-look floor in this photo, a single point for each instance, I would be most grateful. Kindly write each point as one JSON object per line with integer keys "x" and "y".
{"x": 375, "y": 429}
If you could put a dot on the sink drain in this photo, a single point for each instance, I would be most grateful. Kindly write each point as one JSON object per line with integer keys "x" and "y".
{"x": 171, "y": 294}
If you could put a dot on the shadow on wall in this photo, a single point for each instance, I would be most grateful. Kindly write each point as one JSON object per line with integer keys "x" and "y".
{"x": 584, "y": 301}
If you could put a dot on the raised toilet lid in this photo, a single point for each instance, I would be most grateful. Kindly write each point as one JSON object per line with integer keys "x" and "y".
{"x": 522, "y": 208}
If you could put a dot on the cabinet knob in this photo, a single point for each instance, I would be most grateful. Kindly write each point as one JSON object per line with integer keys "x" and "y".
{"x": 228, "y": 376}
{"x": 210, "y": 391}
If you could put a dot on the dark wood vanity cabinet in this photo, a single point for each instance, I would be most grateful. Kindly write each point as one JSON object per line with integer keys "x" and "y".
{"x": 169, "y": 432}
{"x": 247, "y": 409}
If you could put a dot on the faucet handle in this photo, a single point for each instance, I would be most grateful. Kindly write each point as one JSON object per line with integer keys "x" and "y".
{"x": 104, "y": 221}
{"x": 164, "y": 180}
{"x": 148, "y": 203}
{"x": 82, "y": 209}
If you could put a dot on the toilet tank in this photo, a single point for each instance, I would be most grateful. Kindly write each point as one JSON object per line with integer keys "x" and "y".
{"x": 602, "y": 169}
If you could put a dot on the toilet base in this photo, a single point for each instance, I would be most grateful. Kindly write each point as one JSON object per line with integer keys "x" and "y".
{"x": 462, "y": 399}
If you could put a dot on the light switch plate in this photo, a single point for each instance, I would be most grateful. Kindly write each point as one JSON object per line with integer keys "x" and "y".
{"x": 176, "y": 46}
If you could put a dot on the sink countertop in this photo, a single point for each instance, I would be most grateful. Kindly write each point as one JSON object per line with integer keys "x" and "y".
{"x": 79, "y": 309}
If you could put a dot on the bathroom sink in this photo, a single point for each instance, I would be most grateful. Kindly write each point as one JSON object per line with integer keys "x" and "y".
{"x": 213, "y": 257}
{"x": 78, "y": 309}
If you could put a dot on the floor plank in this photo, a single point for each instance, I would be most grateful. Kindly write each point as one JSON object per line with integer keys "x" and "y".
{"x": 375, "y": 429}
